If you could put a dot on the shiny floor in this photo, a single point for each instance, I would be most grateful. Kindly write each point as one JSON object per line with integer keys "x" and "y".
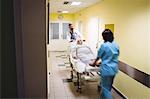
{"x": 60, "y": 88}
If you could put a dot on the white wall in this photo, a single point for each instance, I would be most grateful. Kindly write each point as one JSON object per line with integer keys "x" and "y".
{"x": 93, "y": 32}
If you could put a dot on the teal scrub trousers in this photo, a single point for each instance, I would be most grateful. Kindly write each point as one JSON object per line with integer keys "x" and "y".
{"x": 106, "y": 85}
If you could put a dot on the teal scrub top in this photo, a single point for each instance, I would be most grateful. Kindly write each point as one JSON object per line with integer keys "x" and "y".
{"x": 108, "y": 52}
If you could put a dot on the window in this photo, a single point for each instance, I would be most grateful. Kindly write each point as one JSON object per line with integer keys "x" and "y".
{"x": 65, "y": 30}
{"x": 59, "y": 30}
{"x": 54, "y": 30}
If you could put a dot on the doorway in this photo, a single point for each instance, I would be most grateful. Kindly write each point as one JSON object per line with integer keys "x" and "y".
{"x": 58, "y": 35}
{"x": 59, "y": 84}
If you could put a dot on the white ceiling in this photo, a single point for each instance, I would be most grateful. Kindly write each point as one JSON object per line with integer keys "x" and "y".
{"x": 57, "y": 5}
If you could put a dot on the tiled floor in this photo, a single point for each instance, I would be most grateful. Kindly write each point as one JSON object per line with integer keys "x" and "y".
{"x": 59, "y": 89}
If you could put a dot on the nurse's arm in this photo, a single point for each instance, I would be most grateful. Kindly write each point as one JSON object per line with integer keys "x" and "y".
{"x": 98, "y": 62}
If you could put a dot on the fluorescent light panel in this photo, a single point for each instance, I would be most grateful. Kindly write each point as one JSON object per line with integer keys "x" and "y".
{"x": 64, "y": 11}
{"x": 76, "y": 3}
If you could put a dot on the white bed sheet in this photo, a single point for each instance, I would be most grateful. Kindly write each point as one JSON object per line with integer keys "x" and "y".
{"x": 80, "y": 57}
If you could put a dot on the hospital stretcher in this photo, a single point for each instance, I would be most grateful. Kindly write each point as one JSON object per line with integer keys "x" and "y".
{"x": 79, "y": 59}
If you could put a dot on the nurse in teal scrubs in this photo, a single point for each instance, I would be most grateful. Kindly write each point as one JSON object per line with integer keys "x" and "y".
{"x": 108, "y": 53}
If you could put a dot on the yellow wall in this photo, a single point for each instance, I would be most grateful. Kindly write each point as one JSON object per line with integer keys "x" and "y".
{"x": 110, "y": 26}
{"x": 131, "y": 88}
{"x": 66, "y": 17}
{"x": 132, "y": 21}
{"x": 148, "y": 32}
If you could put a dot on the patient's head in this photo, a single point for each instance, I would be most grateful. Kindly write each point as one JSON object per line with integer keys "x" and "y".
{"x": 79, "y": 42}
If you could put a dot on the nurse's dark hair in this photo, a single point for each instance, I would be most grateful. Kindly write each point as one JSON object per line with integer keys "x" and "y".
{"x": 107, "y": 35}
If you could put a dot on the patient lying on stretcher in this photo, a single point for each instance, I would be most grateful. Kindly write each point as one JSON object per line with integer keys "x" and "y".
{"x": 85, "y": 54}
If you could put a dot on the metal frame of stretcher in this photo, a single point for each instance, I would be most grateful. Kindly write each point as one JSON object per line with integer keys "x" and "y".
{"x": 79, "y": 73}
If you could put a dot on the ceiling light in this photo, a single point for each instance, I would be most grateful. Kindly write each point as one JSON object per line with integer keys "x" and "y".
{"x": 75, "y": 3}
{"x": 64, "y": 11}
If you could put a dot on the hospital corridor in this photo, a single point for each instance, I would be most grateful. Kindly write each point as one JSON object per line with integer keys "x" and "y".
{"x": 60, "y": 87}
{"x": 75, "y": 49}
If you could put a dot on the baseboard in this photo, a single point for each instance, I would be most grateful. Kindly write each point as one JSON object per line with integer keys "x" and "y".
{"x": 119, "y": 92}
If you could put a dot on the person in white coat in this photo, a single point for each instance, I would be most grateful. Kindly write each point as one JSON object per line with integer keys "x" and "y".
{"x": 73, "y": 35}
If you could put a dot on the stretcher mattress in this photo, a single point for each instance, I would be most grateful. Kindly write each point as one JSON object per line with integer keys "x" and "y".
{"x": 80, "y": 57}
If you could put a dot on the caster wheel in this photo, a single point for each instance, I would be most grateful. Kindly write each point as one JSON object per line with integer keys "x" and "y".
{"x": 79, "y": 90}
{"x": 99, "y": 88}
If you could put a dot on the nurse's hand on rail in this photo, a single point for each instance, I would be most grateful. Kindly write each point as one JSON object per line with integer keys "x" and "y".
{"x": 95, "y": 63}
{"x": 98, "y": 62}
{"x": 92, "y": 62}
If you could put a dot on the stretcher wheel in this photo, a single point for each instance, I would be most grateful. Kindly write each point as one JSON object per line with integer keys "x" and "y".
{"x": 99, "y": 88}
{"x": 79, "y": 90}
